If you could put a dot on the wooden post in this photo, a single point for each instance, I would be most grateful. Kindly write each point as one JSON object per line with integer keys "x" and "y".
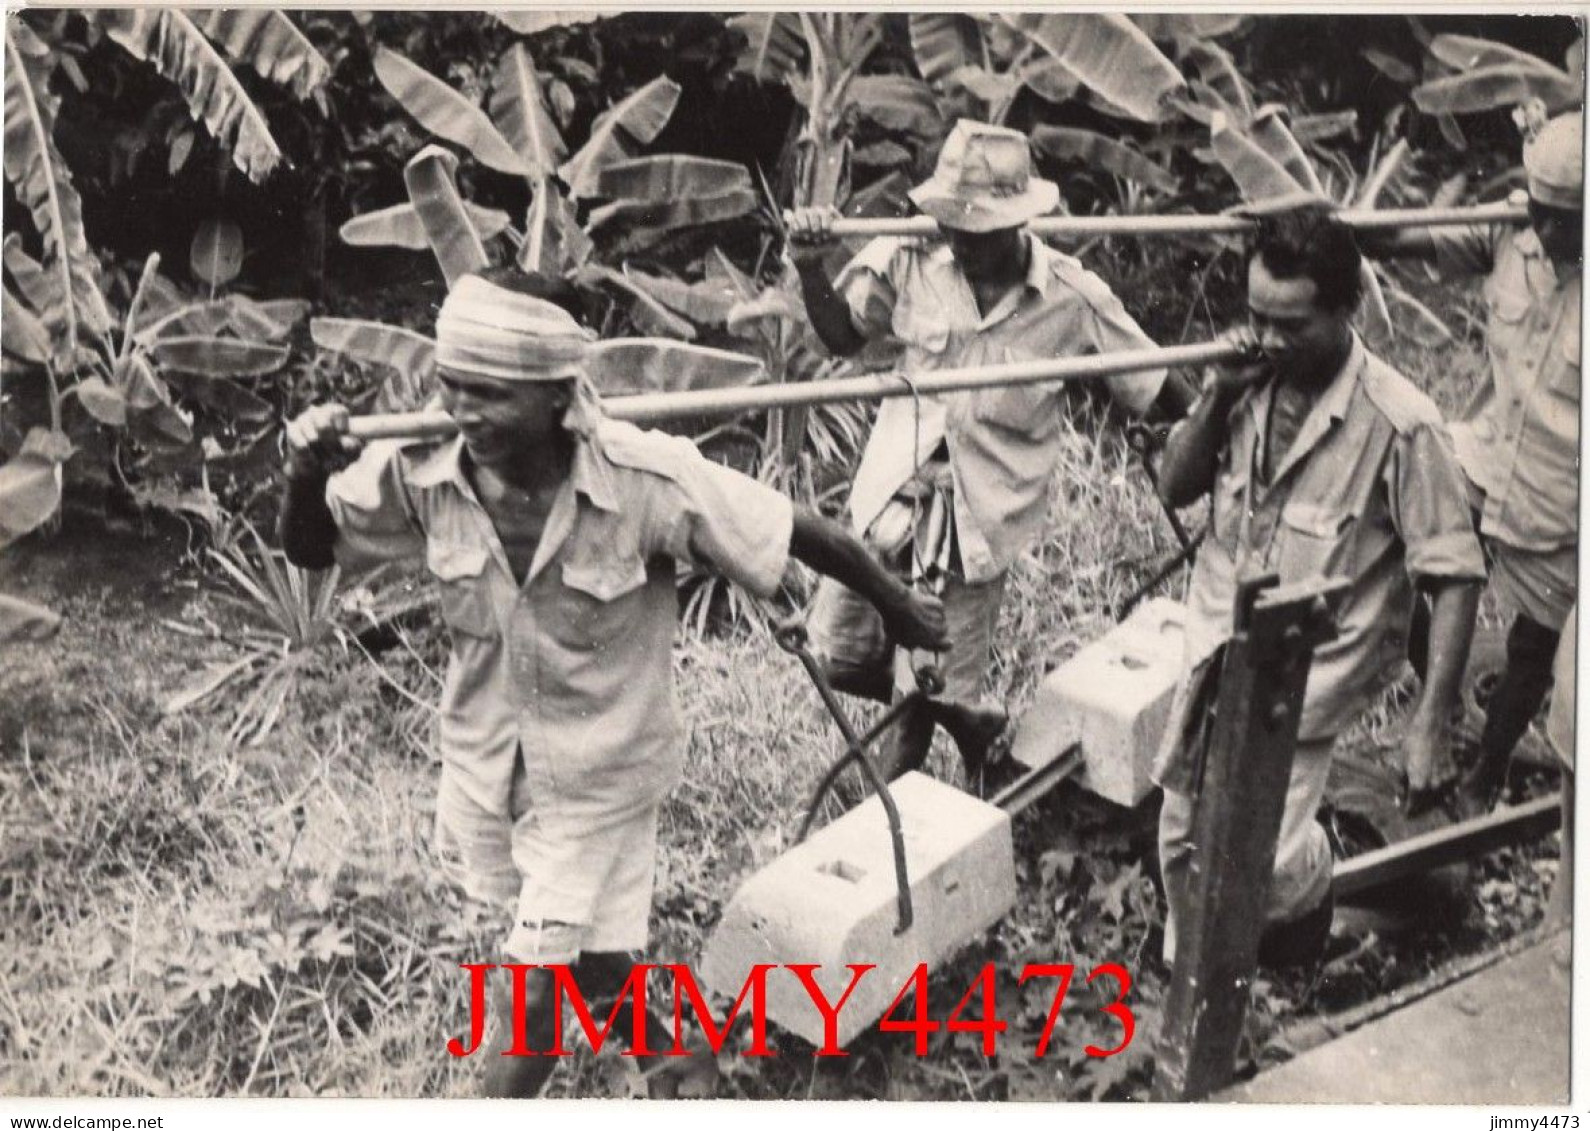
{"x": 1236, "y": 820}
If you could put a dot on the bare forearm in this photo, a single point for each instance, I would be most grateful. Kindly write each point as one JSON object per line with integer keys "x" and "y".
{"x": 1191, "y": 458}
{"x": 833, "y": 551}
{"x": 829, "y": 312}
{"x": 1453, "y": 605}
{"x": 305, "y": 526}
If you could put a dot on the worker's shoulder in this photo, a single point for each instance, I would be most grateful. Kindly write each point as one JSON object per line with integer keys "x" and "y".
{"x": 1069, "y": 272}
{"x": 644, "y": 450}
{"x": 883, "y": 254}
{"x": 1403, "y": 404}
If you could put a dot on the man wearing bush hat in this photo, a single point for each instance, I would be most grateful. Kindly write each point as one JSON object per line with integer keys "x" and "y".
{"x": 552, "y": 534}
{"x": 952, "y": 488}
{"x": 1519, "y": 445}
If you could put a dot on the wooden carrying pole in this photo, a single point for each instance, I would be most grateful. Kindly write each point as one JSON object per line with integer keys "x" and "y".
{"x": 1084, "y": 227}
{"x": 649, "y": 408}
{"x": 1219, "y": 905}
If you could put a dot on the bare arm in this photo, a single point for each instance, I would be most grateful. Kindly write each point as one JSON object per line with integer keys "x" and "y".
{"x": 809, "y": 242}
{"x": 915, "y": 619}
{"x": 317, "y": 445}
{"x": 1453, "y": 604}
{"x": 1191, "y": 458}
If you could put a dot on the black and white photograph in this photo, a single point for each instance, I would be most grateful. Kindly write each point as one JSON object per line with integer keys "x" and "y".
{"x": 1022, "y": 557}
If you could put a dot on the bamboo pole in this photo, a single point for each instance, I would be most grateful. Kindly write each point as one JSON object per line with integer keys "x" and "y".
{"x": 650, "y": 408}
{"x": 1080, "y": 227}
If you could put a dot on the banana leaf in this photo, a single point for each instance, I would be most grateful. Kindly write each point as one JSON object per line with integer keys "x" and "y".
{"x": 375, "y": 343}
{"x": 261, "y": 321}
{"x": 226, "y": 397}
{"x": 22, "y": 334}
{"x": 266, "y": 40}
{"x": 554, "y": 242}
{"x": 1100, "y": 152}
{"x": 707, "y": 303}
{"x": 775, "y": 45}
{"x": 434, "y": 193}
{"x": 1257, "y": 174}
{"x": 664, "y": 215}
{"x": 618, "y": 133}
{"x": 63, "y": 290}
{"x": 649, "y": 316}
{"x": 168, "y": 38}
{"x": 520, "y": 111}
{"x": 657, "y": 365}
{"x": 218, "y": 357}
{"x": 897, "y": 103}
{"x": 1108, "y": 54}
{"x": 670, "y": 175}
{"x": 446, "y": 113}
{"x": 399, "y": 226}
{"x": 215, "y": 254}
{"x": 151, "y": 417}
{"x": 945, "y": 42}
{"x": 105, "y": 403}
{"x": 30, "y": 483}
{"x": 1487, "y": 88}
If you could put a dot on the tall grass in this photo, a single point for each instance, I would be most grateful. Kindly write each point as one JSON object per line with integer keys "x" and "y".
{"x": 181, "y": 915}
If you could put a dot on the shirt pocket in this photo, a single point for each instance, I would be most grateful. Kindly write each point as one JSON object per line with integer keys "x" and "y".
{"x": 1507, "y": 305}
{"x": 1316, "y": 540}
{"x": 460, "y": 569}
{"x": 594, "y": 608}
{"x": 921, "y": 328}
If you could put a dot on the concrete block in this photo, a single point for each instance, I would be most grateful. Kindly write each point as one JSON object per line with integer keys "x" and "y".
{"x": 831, "y": 901}
{"x": 1114, "y": 698}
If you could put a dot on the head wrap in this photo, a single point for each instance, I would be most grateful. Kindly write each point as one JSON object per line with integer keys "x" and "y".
{"x": 1554, "y": 162}
{"x": 496, "y": 332}
{"x": 491, "y": 331}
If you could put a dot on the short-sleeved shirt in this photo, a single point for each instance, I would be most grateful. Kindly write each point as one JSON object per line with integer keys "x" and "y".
{"x": 573, "y": 667}
{"x": 1520, "y": 445}
{"x": 1370, "y": 491}
{"x": 1003, "y": 443}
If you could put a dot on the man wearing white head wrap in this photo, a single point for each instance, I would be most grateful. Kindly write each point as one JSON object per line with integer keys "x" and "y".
{"x": 1519, "y": 445}
{"x": 553, "y": 534}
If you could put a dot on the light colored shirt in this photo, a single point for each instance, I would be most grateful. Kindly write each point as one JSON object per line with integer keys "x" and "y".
{"x": 573, "y": 667}
{"x": 1003, "y": 443}
{"x": 1369, "y": 491}
{"x": 1520, "y": 445}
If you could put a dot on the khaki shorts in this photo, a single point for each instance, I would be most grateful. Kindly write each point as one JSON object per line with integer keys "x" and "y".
{"x": 1541, "y": 585}
{"x": 498, "y": 860}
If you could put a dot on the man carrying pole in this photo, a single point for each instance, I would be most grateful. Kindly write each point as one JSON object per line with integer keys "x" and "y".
{"x": 1520, "y": 446}
{"x": 951, "y": 488}
{"x": 1322, "y": 461}
{"x": 552, "y": 533}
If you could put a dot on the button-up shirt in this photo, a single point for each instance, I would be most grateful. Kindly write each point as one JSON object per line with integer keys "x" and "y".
{"x": 573, "y": 667}
{"x": 1003, "y": 443}
{"x": 1520, "y": 445}
{"x": 1369, "y": 491}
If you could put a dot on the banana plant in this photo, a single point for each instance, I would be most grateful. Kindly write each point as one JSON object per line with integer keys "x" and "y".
{"x": 58, "y": 325}
{"x": 202, "y": 349}
{"x": 1268, "y": 163}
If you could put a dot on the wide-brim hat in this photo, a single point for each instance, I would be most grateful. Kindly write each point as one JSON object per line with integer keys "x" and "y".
{"x": 984, "y": 182}
{"x": 1554, "y": 162}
